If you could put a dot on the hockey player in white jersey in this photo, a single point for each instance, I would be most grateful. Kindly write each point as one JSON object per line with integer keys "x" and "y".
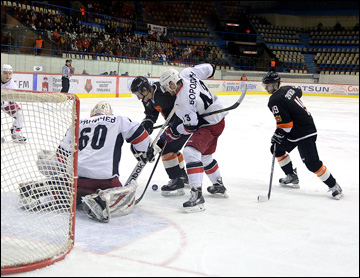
{"x": 195, "y": 99}
{"x": 11, "y": 107}
{"x": 101, "y": 137}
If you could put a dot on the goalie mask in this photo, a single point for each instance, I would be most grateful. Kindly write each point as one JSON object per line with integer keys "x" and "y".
{"x": 102, "y": 108}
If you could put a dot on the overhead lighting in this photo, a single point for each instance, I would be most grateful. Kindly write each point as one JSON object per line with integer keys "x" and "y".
{"x": 232, "y": 24}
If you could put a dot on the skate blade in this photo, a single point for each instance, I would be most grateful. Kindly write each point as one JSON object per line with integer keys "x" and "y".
{"x": 291, "y": 185}
{"x": 339, "y": 196}
{"x": 197, "y": 208}
{"x": 219, "y": 195}
{"x": 178, "y": 192}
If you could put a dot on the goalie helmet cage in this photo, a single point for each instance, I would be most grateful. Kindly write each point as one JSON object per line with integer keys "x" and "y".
{"x": 33, "y": 238}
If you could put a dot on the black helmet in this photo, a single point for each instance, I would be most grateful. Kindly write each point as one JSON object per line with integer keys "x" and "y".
{"x": 271, "y": 77}
{"x": 139, "y": 83}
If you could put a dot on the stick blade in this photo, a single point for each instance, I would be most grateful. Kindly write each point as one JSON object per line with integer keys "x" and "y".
{"x": 262, "y": 198}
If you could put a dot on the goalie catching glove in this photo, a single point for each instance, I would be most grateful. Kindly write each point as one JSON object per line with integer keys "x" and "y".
{"x": 149, "y": 155}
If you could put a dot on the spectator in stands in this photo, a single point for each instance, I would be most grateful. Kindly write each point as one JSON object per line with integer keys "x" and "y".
{"x": 338, "y": 26}
{"x": 125, "y": 74}
{"x": 55, "y": 36}
{"x": 84, "y": 72}
{"x": 272, "y": 65}
{"x": 243, "y": 77}
{"x": 319, "y": 27}
{"x": 356, "y": 27}
{"x": 40, "y": 16}
{"x": 85, "y": 44}
{"x": 115, "y": 73}
{"x": 111, "y": 73}
{"x": 38, "y": 45}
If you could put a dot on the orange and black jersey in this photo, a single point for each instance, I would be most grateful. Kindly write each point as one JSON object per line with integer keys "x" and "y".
{"x": 290, "y": 113}
{"x": 161, "y": 102}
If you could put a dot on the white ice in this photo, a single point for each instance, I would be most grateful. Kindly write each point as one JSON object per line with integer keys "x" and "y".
{"x": 298, "y": 232}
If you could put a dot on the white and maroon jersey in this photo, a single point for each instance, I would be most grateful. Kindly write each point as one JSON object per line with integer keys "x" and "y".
{"x": 100, "y": 140}
{"x": 8, "y": 85}
{"x": 195, "y": 99}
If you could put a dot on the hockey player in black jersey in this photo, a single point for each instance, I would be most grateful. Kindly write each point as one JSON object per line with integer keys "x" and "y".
{"x": 156, "y": 101}
{"x": 295, "y": 128}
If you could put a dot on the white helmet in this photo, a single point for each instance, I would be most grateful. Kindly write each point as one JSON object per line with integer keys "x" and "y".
{"x": 6, "y": 68}
{"x": 102, "y": 108}
{"x": 167, "y": 76}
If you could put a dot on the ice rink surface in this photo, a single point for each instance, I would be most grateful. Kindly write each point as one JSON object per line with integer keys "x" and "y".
{"x": 298, "y": 232}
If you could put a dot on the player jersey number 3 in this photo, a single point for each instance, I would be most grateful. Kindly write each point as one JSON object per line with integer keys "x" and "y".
{"x": 97, "y": 140}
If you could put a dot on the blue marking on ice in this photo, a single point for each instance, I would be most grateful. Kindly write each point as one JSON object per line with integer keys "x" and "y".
{"x": 100, "y": 237}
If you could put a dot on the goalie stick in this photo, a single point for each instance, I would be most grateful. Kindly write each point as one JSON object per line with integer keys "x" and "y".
{"x": 235, "y": 105}
{"x": 140, "y": 165}
{"x": 264, "y": 198}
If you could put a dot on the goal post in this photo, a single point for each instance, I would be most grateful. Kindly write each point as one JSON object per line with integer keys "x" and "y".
{"x": 37, "y": 207}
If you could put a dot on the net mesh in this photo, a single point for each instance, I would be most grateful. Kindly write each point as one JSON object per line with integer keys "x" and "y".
{"x": 38, "y": 185}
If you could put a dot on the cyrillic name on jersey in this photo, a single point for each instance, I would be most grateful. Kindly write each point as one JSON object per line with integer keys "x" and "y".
{"x": 98, "y": 119}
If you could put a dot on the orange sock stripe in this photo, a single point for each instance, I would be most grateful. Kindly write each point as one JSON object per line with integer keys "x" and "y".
{"x": 195, "y": 170}
{"x": 168, "y": 156}
{"x": 281, "y": 158}
{"x": 321, "y": 171}
{"x": 180, "y": 158}
{"x": 208, "y": 172}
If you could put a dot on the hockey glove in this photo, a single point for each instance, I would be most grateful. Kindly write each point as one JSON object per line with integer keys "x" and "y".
{"x": 148, "y": 125}
{"x": 152, "y": 151}
{"x": 140, "y": 156}
{"x": 170, "y": 134}
{"x": 279, "y": 137}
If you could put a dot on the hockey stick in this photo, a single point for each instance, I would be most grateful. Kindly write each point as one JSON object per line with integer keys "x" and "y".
{"x": 147, "y": 184}
{"x": 140, "y": 165}
{"x": 235, "y": 105}
{"x": 264, "y": 198}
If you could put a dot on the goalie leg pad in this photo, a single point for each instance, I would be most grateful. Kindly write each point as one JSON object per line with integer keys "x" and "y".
{"x": 121, "y": 200}
{"x": 116, "y": 201}
{"x": 44, "y": 194}
{"x": 96, "y": 208}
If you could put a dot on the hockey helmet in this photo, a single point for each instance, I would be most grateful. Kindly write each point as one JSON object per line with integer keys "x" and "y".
{"x": 102, "y": 108}
{"x": 271, "y": 77}
{"x": 138, "y": 84}
{"x": 170, "y": 75}
{"x": 6, "y": 68}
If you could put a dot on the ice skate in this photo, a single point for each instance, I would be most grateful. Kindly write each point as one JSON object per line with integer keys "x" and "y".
{"x": 196, "y": 201}
{"x": 218, "y": 189}
{"x": 291, "y": 180}
{"x": 16, "y": 136}
{"x": 336, "y": 192}
{"x": 175, "y": 187}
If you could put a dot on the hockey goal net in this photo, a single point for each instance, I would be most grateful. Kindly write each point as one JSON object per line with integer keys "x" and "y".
{"x": 38, "y": 224}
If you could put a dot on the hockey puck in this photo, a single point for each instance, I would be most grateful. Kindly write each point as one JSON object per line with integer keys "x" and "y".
{"x": 154, "y": 187}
